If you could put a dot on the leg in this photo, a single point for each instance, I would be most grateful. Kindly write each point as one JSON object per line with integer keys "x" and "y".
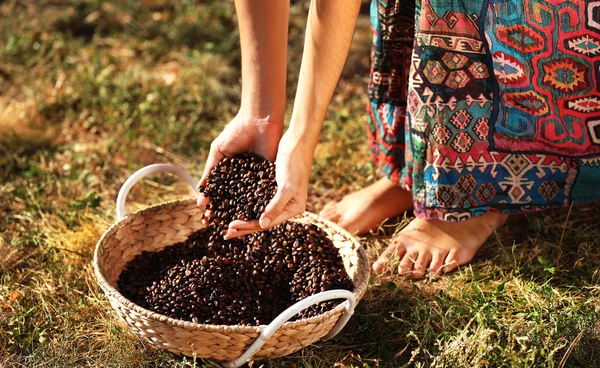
{"x": 364, "y": 210}
{"x": 393, "y": 36}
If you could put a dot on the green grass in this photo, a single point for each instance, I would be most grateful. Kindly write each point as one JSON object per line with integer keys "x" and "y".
{"x": 92, "y": 90}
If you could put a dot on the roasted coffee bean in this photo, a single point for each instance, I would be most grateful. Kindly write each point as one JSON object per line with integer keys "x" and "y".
{"x": 246, "y": 281}
{"x": 236, "y": 189}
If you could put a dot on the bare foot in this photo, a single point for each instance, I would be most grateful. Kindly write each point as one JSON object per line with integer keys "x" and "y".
{"x": 436, "y": 245}
{"x": 364, "y": 210}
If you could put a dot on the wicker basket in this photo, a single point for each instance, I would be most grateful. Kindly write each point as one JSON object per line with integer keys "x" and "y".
{"x": 159, "y": 226}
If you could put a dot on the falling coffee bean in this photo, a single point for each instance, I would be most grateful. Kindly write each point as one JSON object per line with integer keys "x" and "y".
{"x": 239, "y": 188}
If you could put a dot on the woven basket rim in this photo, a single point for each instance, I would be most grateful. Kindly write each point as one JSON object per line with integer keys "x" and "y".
{"x": 360, "y": 285}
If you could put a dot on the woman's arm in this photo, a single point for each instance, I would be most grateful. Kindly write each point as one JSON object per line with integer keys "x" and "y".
{"x": 263, "y": 37}
{"x": 329, "y": 34}
{"x": 259, "y": 123}
{"x": 328, "y": 37}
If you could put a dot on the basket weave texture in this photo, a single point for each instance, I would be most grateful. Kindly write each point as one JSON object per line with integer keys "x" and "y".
{"x": 159, "y": 226}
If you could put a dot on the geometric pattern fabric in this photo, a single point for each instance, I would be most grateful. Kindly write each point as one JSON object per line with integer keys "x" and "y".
{"x": 486, "y": 105}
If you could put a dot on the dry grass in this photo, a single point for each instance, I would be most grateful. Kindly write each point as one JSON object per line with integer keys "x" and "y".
{"x": 91, "y": 91}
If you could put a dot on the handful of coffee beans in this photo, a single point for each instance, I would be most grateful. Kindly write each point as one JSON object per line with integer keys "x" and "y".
{"x": 247, "y": 281}
{"x": 239, "y": 188}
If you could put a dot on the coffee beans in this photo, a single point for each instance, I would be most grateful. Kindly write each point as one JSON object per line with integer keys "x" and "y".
{"x": 239, "y": 188}
{"x": 246, "y": 281}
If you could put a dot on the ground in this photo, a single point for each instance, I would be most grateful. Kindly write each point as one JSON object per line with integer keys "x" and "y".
{"x": 92, "y": 90}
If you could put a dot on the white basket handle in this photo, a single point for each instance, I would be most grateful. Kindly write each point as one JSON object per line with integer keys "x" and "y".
{"x": 268, "y": 331}
{"x": 145, "y": 171}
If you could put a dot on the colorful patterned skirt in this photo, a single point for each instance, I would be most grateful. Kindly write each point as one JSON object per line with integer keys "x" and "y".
{"x": 487, "y": 105}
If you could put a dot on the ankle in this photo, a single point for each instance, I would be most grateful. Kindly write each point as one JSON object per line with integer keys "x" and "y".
{"x": 488, "y": 225}
{"x": 496, "y": 220}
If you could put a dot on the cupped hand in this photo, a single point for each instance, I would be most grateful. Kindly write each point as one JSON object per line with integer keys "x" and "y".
{"x": 241, "y": 135}
{"x": 292, "y": 174}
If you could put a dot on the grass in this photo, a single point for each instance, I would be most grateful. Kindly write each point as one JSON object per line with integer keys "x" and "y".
{"x": 92, "y": 90}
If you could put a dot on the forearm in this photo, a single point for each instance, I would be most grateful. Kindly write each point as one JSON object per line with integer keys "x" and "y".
{"x": 263, "y": 36}
{"x": 329, "y": 33}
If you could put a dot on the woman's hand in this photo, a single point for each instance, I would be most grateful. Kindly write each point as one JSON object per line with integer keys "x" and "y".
{"x": 292, "y": 175}
{"x": 242, "y": 134}
{"x": 328, "y": 36}
{"x": 258, "y": 126}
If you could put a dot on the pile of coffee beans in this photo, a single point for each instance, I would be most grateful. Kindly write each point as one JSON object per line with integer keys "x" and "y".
{"x": 247, "y": 281}
{"x": 239, "y": 188}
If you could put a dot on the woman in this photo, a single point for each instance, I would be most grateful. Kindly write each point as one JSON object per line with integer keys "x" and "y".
{"x": 478, "y": 109}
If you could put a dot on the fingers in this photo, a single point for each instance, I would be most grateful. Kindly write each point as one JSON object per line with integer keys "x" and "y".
{"x": 202, "y": 200}
{"x": 240, "y": 228}
{"x": 214, "y": 156}
{"x": 286, "y": 214}
{"x": 275, "y": 208}
{"x": 245, "y": 225}
{"x": 233, "y": 233}
{"x": 206, "y": 217}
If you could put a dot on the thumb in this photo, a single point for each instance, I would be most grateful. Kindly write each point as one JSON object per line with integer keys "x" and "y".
{"x": 277, "y": 204}
{"x": 293, "y": 209}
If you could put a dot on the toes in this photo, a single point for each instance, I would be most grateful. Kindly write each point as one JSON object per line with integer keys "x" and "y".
{"x": 421, "y": 264}
{"x": 390, "y": 256}
{"x": 232, "y": 233}
{"x": 451, "y": 262}
{"x": 406, "y": 264}
{"x": 457, "y": 257}
{"x": 329, "y": 206}
{"x": 349, "y": 225}
{"x": 329, "y": 212}
{"x": 437, "y": 261}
